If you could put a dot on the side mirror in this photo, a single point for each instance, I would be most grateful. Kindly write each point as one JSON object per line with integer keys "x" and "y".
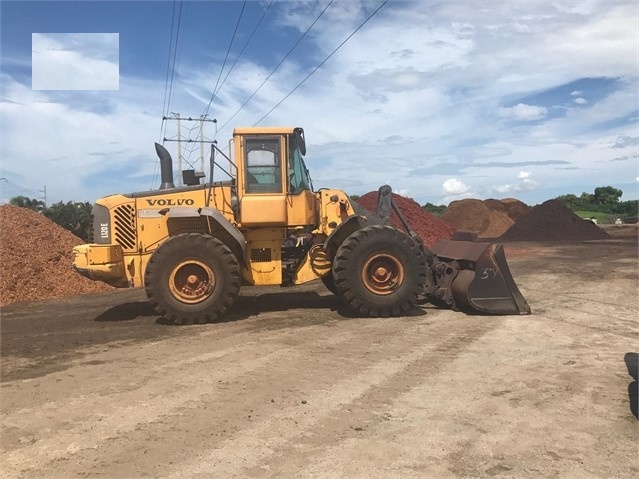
{"x": 301, "y": 141}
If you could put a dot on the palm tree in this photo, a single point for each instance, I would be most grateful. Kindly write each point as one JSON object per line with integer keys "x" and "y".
{"x": 24, "y": 202}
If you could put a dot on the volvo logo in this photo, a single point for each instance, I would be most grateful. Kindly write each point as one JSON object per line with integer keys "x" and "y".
{"x": 171, "y": 202}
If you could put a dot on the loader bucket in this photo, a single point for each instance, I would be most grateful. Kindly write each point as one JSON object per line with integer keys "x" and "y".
{"x": 475, "y": 277}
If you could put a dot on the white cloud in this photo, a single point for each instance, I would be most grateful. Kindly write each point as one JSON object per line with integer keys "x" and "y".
{"x": 525, "y": 185}
{"x": 75, "y": 61}
{"x": 523, "y": 112}
{"x": 434, "y": 86}
{"x": 454, "y": 189}
{"x": 580, "y": 101}
{"x": 453, "y": 186}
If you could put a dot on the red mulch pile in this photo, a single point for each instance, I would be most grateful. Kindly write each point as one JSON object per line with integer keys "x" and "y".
{"x": 488, "y": 218}
{"x": 35, "y": 259}
{"x": 553, "y": 221}
{"x": 428, "y": 227}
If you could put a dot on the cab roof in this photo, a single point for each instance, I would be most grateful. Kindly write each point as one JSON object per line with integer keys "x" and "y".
{"x": 263, "y": 130}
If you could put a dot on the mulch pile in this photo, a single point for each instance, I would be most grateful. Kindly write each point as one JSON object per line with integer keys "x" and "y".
{"x": 427, "y": 226}
{"x": 488, "y": 218}
{"x": 553, "y": 221}
{"x": 36, "y": 258}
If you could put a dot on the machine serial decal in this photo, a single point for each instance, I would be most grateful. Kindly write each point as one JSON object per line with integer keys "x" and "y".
{"x": 149, "y": 214}
{"x": 104, "y": 230}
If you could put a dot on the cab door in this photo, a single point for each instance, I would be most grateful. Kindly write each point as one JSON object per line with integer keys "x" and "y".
{"x": 263, "y": 201}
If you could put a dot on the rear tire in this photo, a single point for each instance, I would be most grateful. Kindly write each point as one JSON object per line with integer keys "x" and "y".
{"x": 379, "y": 271}
{"x": 192, "y": 278}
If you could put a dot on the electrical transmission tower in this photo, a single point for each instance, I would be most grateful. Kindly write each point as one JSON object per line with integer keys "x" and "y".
{"x": 44, "y": 195}
{"x": 183, "y": 141}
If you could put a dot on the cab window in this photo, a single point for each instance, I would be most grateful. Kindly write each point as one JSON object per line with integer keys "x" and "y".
{"x": 262, "y": 165}
{"x": 297, "y": 173}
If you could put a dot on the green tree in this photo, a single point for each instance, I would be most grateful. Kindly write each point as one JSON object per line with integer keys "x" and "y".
{"x": 437, "y": 210}
{"x": 604, "y": 200}
{"x": 73, "y": 216}
{"x": 24, "y": 202}
{"x": 571, "y": 201}
{"x": 606, "y": 196}
{"x": 627, "y": 209}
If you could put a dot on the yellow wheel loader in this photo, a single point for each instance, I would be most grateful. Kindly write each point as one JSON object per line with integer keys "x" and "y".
{"x": 192, "y": 247}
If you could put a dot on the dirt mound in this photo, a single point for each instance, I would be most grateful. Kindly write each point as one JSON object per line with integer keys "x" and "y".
{"x": 488, "y": 218}
{"x": 428, "y": 227}
{"x": 35, "y": 258}
{"x": 514, "y": 208}
{"x": 553, "y": 221}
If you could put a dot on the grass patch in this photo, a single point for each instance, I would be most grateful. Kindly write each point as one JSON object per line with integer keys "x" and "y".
{"x": 601, "y": 217}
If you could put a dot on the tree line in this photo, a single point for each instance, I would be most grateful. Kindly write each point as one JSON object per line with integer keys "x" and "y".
{"x": 72, "y": 215}
{"x": 605, "y": 199}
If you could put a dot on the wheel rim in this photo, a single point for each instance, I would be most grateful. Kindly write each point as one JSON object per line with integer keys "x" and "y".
{"x": 383, "y": 273}
{"x": 191, "y": 281}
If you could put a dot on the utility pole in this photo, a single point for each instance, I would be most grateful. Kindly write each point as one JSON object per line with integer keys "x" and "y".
{"x": 202, "y": 142}
{"x": 44, "y": 192}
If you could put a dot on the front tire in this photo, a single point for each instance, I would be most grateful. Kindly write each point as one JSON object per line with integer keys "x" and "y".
{"x": 329, "y": 282}
{"x": 379, "y": 271}
{"x": 192, "y": 278}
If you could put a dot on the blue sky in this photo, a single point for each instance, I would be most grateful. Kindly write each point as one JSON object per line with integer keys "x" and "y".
{"x": 441, "y": 100}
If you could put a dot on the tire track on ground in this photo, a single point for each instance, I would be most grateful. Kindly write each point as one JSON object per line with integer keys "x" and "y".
{"x": 360, "y": 396}
{"x": 152, "y": 394}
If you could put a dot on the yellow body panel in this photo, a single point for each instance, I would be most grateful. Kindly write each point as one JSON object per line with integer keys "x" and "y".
{"x": 263, "y": 210}
{"x": 315, "y": 265}
{"x": 264, "y": 256}
{"x": 302, "y": 209}
{"x": 101, "y": 262}
{"x": 334, "y": 209}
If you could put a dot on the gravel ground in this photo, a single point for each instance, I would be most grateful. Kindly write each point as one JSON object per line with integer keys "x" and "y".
{"x": 291, "y": 385}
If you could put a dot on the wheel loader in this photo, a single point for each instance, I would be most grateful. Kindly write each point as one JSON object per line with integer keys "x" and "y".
{"x": 193, "y": 246}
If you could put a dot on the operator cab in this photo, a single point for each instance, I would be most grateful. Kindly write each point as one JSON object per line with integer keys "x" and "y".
{"x": 275, "y": 185}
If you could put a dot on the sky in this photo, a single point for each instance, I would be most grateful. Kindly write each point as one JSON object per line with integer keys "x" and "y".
{"x": 442, "y": 100}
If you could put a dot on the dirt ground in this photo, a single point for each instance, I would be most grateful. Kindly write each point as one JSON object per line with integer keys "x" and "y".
{"x": 291, "y": 385}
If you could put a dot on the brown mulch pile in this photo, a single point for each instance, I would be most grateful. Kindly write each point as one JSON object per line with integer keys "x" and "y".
{"x": 553, "y": 221}
{"x": 36, "y": 258}
{"x": 427, "y": 226}
{"x": 488, "y": 218}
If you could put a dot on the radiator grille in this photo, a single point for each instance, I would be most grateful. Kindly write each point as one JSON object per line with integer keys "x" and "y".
{"x": 124, "y": 221}
{"x": 261, "y": 255}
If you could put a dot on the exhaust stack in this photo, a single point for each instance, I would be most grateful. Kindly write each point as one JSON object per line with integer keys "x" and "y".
{"x": 166, "y": 167}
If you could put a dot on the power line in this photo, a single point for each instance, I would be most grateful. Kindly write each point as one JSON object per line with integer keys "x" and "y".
{"x": 278, "y": 65}
{"x": 168, "y": 69}
{"x": 322, "y": 62}
{"x": 217, "y": 90}
{"x": 35, "y": 194}
{"x": 206, "y": 110}
{"x": 173, "y": 51}
{"x": 245, "y": 45}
